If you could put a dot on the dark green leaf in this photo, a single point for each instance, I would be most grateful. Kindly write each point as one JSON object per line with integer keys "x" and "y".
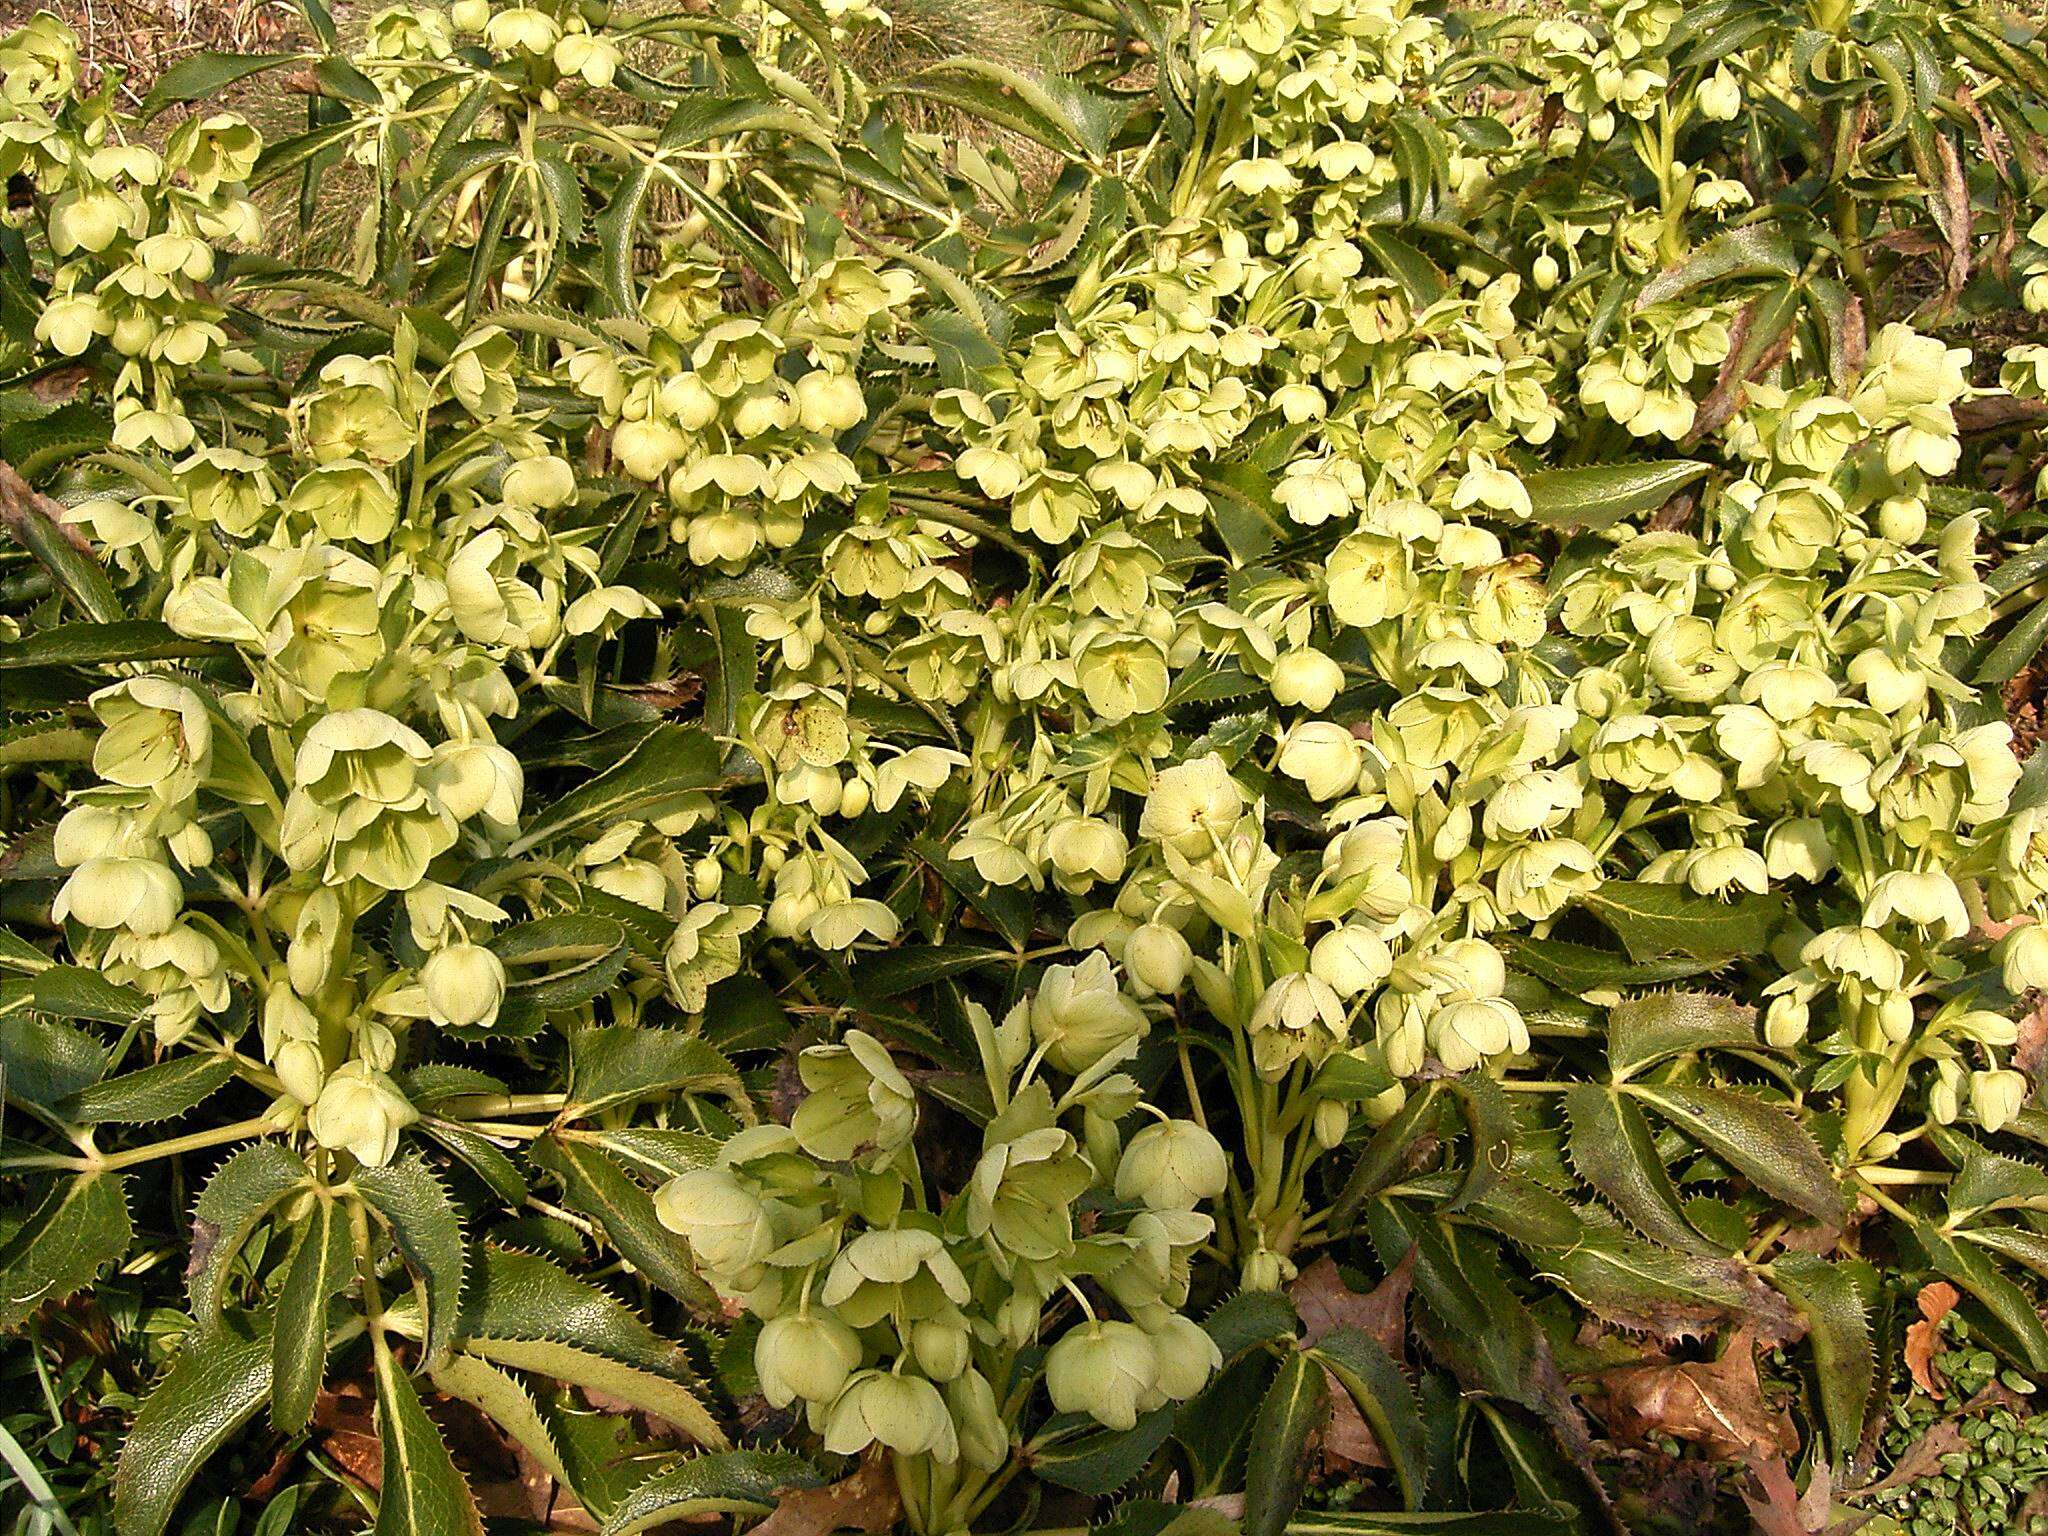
{"x": 160, "y": 1092}
{"x": 1612, "y": 1149}
{"x": 220, "y": 1379}
{"x": 1645, "y": 1030}
{"x": 239, "y": 1195}
{"x": 1101, "y": 1461}
{"x": 672, "y": 763}
{"x": 320, "y": 1266}
{"x": 598, "y": 1187}
{"x": 80, "y": 1228}
{"x": 1771, "y": 1148}
{"x": 728, "y": 1482}
{"x": 1294, "y": 1411}
{"x": 1364, "y": 1369}
{"x": 422, "y": 1493}
{"x": 428, "y": 1230}
{"x": 1600, "y": 495}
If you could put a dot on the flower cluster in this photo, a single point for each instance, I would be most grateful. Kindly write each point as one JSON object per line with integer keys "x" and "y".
{"x": 905, "y": 1319}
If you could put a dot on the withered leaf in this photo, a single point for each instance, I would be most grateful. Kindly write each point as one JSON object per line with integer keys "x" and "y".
{"x": 866, "y": 1501}
{"x": 1718, "y": 1405}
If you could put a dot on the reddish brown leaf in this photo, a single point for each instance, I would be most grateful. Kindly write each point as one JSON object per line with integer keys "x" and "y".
{"x": 1923, "y": 1339}
{"x": 866, "y": 1501}
{"x": 1325, "y": 1303}
{"x": 1717, "y": 1404}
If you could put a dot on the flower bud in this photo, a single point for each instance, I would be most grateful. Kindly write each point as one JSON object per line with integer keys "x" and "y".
{"x": 1323, "y": 756}
{"x": 1085, "y": 849}
{"x": 1157, "y": 958}
{"x": 1352, "y": 959}
{"x": 984, "y": 1438}
{"x": 1173, "y": 1165}
{"x": 805, "y": 1355}
{"x": 1332, "y": 1120}
{"x": 1786, "y": 1021}
{"x": 1107, "y": 1370}
{"x": 1996, "y": 1097}
{"x": 1720, "y": 96}
{"x": 1895, "y": 1017}
{"x": 1307, "y": 678}
{"x": 941, "y": 1346}
{"x": 464, "y": 986}
{"x": 301, "y": 1070}
{"x": 2024, "y": 958}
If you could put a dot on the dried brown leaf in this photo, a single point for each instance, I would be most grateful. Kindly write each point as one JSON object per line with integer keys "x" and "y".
{"x": 866, "y": 1501}
{"x": 1923, "y": 1339}
{"x": 1716, "y": 1404}
{"x": 1325, "y": 1303}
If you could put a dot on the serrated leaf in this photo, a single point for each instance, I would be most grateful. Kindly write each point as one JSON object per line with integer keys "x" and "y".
{"x": 1364, "y": 1369}
{"x": 1294, "y": 1410}
{"x": 1580, "y": 968}
{"x": 659, "y": 1395}
{"x": 161, "y": 1092}
{"x": 1612, "y": 1149}
{"x": 1989, "y": 1182}
{"x": 1250, "y": 1318}
{"x": 85, "y": 644}
{"x": 575, "y": 957}
{"x": 240, "y": 1194}
{"x": 422, "y": 1493}
{"x": 320, "y": 1265}
{"x": 43, "y": 1060}
{"x": 484, "y": 1157}
{"x": 724, "y": 1483}
{"x": 81, "y": 1226}
{"x": 1653, "y": 921}
{"x": 1519, "y": 1522}
{"x": 1644, "y": 1030}
{"x": 1099, "y": 1461}
{"x": 672, "y": 763}
{"x": 893, "y": 972}
{"x": 663, "y": 1152}
{"x": 602, "y": 1190}
{"x": 1838, "y": 1336}
{"x": 500, "y": 1397}
{"x": 219, "y": 1380}
{"x": 1749, "y": 251}
{"x": 427, "y": 1228}
{"x": 1490, "y": 1137}
{"x": 1772, "y": 1150}
{"x": 1668, "y": 1295}
{"x": 74, "y": 992}
{"x": 517, "y": 1300}
{"x": 616, "y": 1064}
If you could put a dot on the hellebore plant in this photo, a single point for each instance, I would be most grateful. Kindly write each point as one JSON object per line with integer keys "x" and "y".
{"x": 766, "y": 723}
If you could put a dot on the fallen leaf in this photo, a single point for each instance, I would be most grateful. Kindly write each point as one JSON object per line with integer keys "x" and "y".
{"x": 1325, "y": 1303}
{"x": 1922, "y": 1459}
{"x": 1923, "y": 1339}
{"x": 1717, "y": 1404}
{"x": 1348, "y": 1441}
{"x": 1781, "y": 1510}
{"x": 866, "y": 1501}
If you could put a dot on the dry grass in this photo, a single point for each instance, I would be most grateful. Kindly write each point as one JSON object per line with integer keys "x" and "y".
{"x": 140, "y": 39}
